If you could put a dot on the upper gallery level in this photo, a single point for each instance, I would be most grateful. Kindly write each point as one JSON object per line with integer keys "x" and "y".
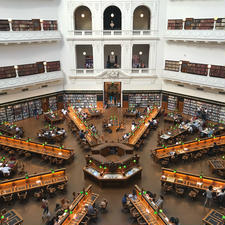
{"x": 192, "y": 29}
{"x": 34, "y": 30}
{"x": 117, "y": 20}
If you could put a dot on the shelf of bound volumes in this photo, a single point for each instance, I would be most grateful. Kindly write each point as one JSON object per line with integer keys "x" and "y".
{"x": 215, "y": 113}
{"x": 143, "y": 100}
{"x": 53, "y": 103}
{"x": 81, "y": 100}
{"x": 20, "y": 111}
{"x": 172, "y": 102}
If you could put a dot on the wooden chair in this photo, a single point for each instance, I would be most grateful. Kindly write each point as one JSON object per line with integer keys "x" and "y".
{"x": 185, "y": 157}
{"x": 3, "y": 211}
{"x": 8, "y": 198}
{"x": 141, "y": 221}
{"x": 27, "y": 155}
{"x": 164, "y": 162}
{"x": 85, "y": 221}
{"x": 61, "y": 187}
{"x": 39, "y": 194}
{"x": 179, "y": 191}
{"x": 167, "y": 188}
{"x": 50, "y": 189}
{"x": 22, "y": 195}
{"x": 193, "y": 193}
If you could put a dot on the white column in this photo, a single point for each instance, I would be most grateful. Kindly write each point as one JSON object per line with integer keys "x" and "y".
{"x": 183, "y": 24}
{"x": 126, "y": 56}
{"x": 45, "y": 66}
{"x": 152, "y": 55}
{"x": 214, "y": 25}
{"x": 42, "y": 28}
{"x": 98, "y": 56}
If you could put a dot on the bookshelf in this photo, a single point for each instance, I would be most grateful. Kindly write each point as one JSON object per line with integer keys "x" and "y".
{"x": 52, "y": 103}
{"x": 25, "y": 110}
{"x": 50, "y": 25}
{"x": 53, "y": 66}
{"x": 36, "y": 104}
{"x": 194, "y": 68}
{"x": 217, "y": 71}
{"x": 220, "y": 24}
{"x": 175, "y": 24}
{"x": 143, "y": 100}
{"x": 18, "y": 114}
{"x": 199, "y": 24}
{"x": 7, "y": 72}
{"x": 4, "y": 25}
{"x": 82, "y": 100}
{"x": 3, "y": 116}
{"x": 172, "y": 103}
{"x": 10, "y": 113}
{"x": 215, "y": 113}
{"x": 27, "y": 69}
{"x": 172, "y": 65}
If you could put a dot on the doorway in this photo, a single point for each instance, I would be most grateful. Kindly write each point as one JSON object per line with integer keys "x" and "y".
{"x": 112, "y": 93}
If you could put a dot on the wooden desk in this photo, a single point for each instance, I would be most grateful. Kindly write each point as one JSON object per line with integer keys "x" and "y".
{"x": 11, "y": 131}
{"x": 217, "y": 164}
{"x": 91, "y": 139}
{"x": 92, "y": 113}
{"x": 53, "y": 119}
{"x": 130, "y": 114}
{"x": 77, "y": 210}
{"x": 191, "y": 180}
{"x": 188, "y": 147}
{"x": 133, "y": 139}
{"x": 38, "y": 148}
{"x": 147, "y": 209}
{"x": 12, "y": 217}
{"x": 34, "y": 181}
{"x": 214, "y": 218}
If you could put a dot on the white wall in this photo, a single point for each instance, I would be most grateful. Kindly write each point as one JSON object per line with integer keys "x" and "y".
{"x": 25, "y": 9}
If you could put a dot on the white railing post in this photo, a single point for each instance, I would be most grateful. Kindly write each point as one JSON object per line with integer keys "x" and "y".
{"x": 42, "y": 27}
{"x": 183, "y": 24}
{"x": 214, "y": 24}
{"x": 209, "y": 67}
{"x": 16, "y": 69}
{"x": 10, "y": 24}
{"x": 45, "y": 66}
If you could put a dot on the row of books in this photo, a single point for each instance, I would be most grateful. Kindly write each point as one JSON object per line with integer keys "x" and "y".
{"x": 196, "y": 24}
{"x": 215, "y": 113}
{"x": 28, "y": 25}
{"x": 81, "y": 100}
{"x": 172, "y": 103}
{"x": 143, "y": 100}
{"x": 28, "y": 69}
{"x": 195, "y": 68}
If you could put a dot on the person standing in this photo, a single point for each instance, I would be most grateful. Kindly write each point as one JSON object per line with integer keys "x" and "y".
{"x": 44, "y": 206}
{"x": 159, "y": 203}
{"x": 208, "y": 195}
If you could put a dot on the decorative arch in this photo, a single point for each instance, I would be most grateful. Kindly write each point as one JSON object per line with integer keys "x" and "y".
{"x": 82, "y": 18}
{"x": 112, "y": 18}
{"x": 142, "y": 18}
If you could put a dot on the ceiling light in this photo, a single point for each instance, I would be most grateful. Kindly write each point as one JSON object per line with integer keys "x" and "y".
{"x": 82, "y": 15}
{"x": 84, "y": 53}
{"x": 112, "y": 15}
{"x": 140, "y": 53}
{"x": 141, "y": 15}
{"x": 112, "y": 53}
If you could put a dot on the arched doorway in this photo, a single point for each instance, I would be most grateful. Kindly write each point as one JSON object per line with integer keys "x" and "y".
{"x": 112, "y": 93}
{"x": 82, "y": 18}
{"x": 141, "y": 18}
{"x": 112, "y": 18}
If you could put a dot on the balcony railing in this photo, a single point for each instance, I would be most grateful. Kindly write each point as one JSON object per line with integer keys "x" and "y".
{"x": 29, "y": 36}
{"x": 128, "y": 72}
{"x": 30, "y": 80}
{"x": 196, "y": 35}
{"x": 193, "y": 79}
{"x": 80, "y": 34}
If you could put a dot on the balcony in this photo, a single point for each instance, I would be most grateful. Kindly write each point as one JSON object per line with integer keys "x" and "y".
{"x": 112, "y": 34}
{"x": 113, "y": 73}
{"x": 191, "y": 79}
{"x": 196, "y": 35}
{"x": 31, "y": 80}
{"x": 8, "y": 37}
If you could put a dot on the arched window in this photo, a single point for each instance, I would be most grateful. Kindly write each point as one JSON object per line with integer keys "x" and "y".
{"x": 112, "y": 18}
{"x": 82, "y": 17}
{"x": 141, "y": 18}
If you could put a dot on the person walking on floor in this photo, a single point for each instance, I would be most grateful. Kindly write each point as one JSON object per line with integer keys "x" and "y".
{"x": 208, "y": 195}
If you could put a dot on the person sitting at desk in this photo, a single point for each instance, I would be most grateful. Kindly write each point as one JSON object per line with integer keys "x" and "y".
{"x": 125, "y": 136}
{"x": 82, "y": 134}
{"x": 159, "y": 203}
{"x": 133, "y": 126}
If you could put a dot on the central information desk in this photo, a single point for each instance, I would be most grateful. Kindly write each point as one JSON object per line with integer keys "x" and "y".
{"x": 148, "y": 209}
{"x": 73, "y": 115}
{"x": 112, "y": 172}
{"x": 38, "y": 148}
{"x": 77, "y": 210}
{"x": 191, "y": 181}
{"x": 140, "y": 130}
{"x": 214, "y": 218}
{"x": 31, "y": 182}
{"x": 188, "y": 147}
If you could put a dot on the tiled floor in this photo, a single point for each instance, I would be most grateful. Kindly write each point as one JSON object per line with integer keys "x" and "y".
{"x": 189, "y": 212}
